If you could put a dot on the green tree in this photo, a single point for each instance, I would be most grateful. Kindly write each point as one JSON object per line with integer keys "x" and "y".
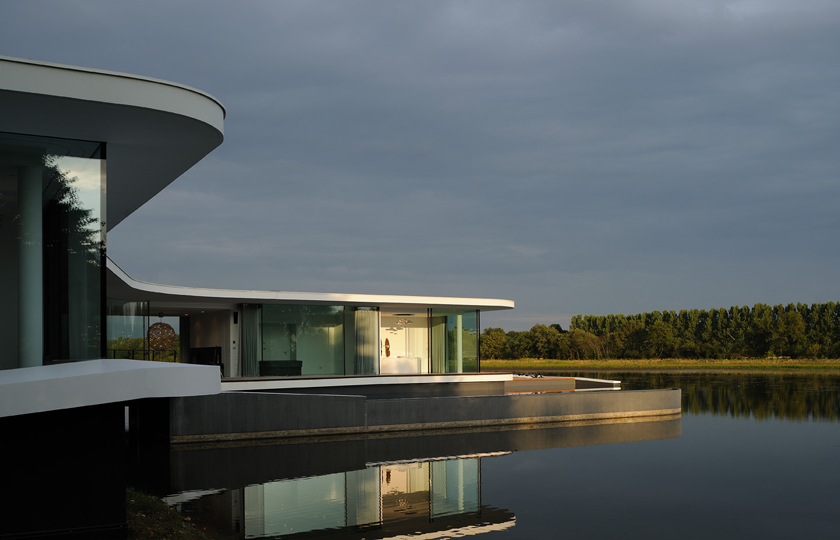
{"x": 659, "y": 340}
{"x": 512, "y": 349}
{"x": 492, "y": 343}
{"x": 760, "y": 330}
{"x": 541, "y": 341}
{"x": 788, "y": 337}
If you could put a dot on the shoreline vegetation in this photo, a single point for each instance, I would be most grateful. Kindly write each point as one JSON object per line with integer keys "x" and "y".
{"x": 756, "y": 336}
{"x": 664, "y": 364}
{"x": 148, "y": 517}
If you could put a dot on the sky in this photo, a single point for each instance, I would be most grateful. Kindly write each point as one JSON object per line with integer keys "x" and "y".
{"x": 577, "y": 157}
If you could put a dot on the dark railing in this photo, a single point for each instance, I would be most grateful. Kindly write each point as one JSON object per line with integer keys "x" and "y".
{"x": 144, "y": 354}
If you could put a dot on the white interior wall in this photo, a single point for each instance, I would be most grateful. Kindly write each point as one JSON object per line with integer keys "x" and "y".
{"x": 408, "y": 345}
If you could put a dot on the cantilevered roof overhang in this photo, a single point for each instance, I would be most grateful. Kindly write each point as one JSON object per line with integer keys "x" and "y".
{"x": 173, "y": 300}
{"x": 154, "y": 130}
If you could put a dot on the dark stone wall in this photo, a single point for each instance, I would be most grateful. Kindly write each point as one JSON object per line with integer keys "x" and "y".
{"x": 248, "y": 412}
{"x": 235, "y": 415}
{"x": 485, "y": 408}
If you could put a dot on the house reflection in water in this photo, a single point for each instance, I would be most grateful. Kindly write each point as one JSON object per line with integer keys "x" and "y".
{"x": 380, "y": 501}
{"x": 364, "y": 488}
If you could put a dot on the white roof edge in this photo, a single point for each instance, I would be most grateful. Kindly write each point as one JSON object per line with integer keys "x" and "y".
{"x": 337, "y": 298}
{"x": 95, "y": 92}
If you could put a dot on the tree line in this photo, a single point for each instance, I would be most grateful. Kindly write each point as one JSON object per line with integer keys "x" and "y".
{"x": 792, "y": 330}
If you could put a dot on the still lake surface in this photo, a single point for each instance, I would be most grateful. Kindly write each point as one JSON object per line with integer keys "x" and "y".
{"x": 753, "y": 456}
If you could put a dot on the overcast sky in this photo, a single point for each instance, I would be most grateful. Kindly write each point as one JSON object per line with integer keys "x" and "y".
{"x": 586, "y": 157}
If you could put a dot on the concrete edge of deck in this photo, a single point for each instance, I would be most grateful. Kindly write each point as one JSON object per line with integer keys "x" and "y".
{"x": 417, "y": 385}
{"x": 233, "y": 416}
{"x": 261, "y": 384}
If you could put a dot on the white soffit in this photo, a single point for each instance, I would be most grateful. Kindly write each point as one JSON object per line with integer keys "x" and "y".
{"x": 121, "y": 285}
{"x": 95, "y": 382}
{"x": 154, "y": 130}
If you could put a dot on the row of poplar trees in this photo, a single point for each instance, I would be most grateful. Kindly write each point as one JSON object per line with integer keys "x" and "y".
{"x": 793, "y": 330}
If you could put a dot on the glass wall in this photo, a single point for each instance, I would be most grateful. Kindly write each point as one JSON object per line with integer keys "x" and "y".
{"x": 127, "y": 334}
{"x": 127, "y": 325}
{"x": 52, "y": 243}
{"x": 453, "y": 337}
{"x": 361, "y": 340}
{"x": 284, "y": 340}
{"x": 302, "y": 340}
{"x": 404, "y": 342}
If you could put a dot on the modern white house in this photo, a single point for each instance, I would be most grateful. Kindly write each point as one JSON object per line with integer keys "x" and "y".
{"x": 80, "y": 150}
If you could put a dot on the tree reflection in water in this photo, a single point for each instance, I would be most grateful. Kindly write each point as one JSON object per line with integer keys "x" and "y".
{"x": 763, "y": 396}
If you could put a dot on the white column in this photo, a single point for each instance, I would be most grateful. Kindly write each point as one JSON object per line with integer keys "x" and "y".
{"x": 459, "y": 341}
{"x": 30, "y": 269}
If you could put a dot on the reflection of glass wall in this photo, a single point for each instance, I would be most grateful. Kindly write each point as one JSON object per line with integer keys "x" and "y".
{"x": 404, "y": 342}
{"x": 295, "y": 506}
{"x": 302, "y": 340}
{"x": 454, "y": 341}
{"x": 52, "y": 238}
{"x": 406, "y": 495}
{"x": 455, "y": 488}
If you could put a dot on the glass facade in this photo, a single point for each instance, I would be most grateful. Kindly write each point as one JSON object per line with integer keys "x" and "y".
{"x": 127, "y": 333}
{"x": 128, "y": 324}
{"x": 453, "y": 336}
{"x": 404, "y": 342}
{"x": 52, "y": 244}
{"x": 302, "y": 340}
{"x": 284, "y": 340}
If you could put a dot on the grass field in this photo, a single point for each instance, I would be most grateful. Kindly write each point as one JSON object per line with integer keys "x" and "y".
{"x": 745, "y": 364}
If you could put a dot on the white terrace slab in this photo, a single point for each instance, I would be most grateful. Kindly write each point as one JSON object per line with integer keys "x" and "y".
{"x": 94, "y": 382}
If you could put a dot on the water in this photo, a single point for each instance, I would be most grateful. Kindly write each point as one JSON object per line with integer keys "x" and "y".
{"x": 752, "y": 456}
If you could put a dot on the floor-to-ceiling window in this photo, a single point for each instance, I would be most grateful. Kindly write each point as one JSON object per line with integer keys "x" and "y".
{"x": 282, "y": 340}
{"x": 453, "y": 336}
{"x": 361, "y": 340}
{"x": 404, "y": 341}
{"x": 128, "y": 324}
{"x": 52, "y": 241}
{"x": 302, "y": 340}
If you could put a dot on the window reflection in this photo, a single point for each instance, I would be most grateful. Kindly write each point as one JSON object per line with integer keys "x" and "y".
{"x": 401, "y": 496}
{"x": 52, "y": 240}
{"x": 454, "y": 340}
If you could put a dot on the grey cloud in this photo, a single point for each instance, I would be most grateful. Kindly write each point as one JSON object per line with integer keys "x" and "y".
{"x": 579, "y": 157}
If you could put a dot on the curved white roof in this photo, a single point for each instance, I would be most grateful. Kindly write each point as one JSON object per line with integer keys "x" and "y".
{"x": 121, "y": 286}
{"x": 155, "y": 130}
